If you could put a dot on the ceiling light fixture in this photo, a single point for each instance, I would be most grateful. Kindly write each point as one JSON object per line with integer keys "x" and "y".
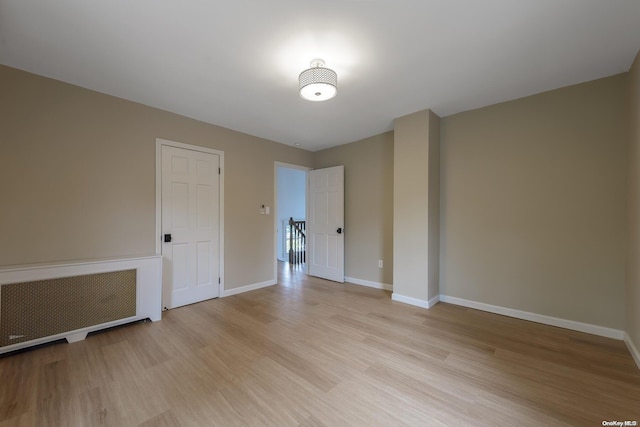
{"x": 318, "y": 83}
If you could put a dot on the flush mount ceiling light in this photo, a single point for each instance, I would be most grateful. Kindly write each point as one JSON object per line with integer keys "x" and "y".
{"x": 318, "y": 83}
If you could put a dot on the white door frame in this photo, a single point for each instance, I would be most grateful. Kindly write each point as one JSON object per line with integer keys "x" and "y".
{"x": 277, "y": 165}
{"x": 159, "y": 143}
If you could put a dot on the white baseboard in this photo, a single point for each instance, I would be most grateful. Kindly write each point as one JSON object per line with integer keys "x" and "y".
{"x": 538, "y": 318}
{"x": 247, "y": 288}
{"x": 433, "y": 301}
{"x": 632, "y": 349}
{"x": 369, "y": 284}
{"x": 415, "y": 301}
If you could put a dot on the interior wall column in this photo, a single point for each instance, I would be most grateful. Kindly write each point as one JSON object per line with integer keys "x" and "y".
{"x": 416, "y": 209}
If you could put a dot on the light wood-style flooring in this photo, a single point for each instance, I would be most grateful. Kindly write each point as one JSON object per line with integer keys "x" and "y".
{"x": 308, "y": 352}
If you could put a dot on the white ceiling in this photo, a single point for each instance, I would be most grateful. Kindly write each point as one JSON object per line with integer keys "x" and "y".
{"x": 236, "y": 63}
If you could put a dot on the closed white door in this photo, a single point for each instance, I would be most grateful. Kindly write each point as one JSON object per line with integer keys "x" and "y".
{"x": 325, "y": 241}
{"x": 190, "y": 226}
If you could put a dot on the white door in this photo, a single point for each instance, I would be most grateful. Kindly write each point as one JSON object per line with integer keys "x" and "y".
{"x": 325, "y": 241}
{"x": 190, "y": 226}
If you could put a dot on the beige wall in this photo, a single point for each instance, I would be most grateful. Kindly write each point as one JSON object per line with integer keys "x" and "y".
{"x": 633, "y": 265}
{"x": 77, "y": 177}
{"x": 415, "y": 205}
{"x": 534, "y": 203}
{"x": 368, "y": 170}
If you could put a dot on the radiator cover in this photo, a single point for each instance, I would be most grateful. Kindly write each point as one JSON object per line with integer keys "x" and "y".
{"x": 42, "y": 308}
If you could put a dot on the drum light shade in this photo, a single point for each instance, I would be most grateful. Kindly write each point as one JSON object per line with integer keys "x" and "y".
{"x": 318, "y": 83}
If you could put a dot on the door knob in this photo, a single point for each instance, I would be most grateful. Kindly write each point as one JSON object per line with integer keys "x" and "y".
{"x": 339, "y": 231}
{"x": 167, "y": 238}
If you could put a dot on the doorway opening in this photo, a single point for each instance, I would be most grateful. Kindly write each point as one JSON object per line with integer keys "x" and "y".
{"x": 291, "y": 216}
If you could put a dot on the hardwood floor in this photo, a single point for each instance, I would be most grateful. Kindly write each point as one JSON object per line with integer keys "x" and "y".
{"x": 308, "y": 352}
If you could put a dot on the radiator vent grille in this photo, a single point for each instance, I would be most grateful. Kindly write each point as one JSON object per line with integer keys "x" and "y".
{"x": 32, "y": 310}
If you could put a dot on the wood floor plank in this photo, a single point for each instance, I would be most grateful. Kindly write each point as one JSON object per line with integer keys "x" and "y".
{"x": 19, "y": 379}
{"x": 26, "y": 419}
{"x": 308, "y": 352}
{"x": 165, "y": 419}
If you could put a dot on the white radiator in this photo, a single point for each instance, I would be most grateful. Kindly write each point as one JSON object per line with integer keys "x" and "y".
{"x": 42, "y": 303}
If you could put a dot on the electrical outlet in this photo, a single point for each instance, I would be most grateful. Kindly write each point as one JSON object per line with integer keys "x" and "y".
{"x": 379, "y": 263}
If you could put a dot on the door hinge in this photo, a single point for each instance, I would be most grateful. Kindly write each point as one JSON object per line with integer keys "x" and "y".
{"x": 218, "y": 280}
{"x": 219, "y": 171}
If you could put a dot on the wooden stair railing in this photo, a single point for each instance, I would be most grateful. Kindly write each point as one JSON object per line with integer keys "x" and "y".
{"x": 297, "y": 242}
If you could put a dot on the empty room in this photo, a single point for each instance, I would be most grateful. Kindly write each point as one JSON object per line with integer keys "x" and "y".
{"x": 352, "y": 213}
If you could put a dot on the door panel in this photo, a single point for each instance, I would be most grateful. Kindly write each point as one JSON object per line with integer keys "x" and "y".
{"x": 204, "y": 206}
{"x": 326, "y": 216}
{"x": 190, "y": 213}
{"x": 180, "y": 262}
{"x": 180, "y": 205}
{"x": 332, "y": 251}
{"x": 203, "y": 277}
